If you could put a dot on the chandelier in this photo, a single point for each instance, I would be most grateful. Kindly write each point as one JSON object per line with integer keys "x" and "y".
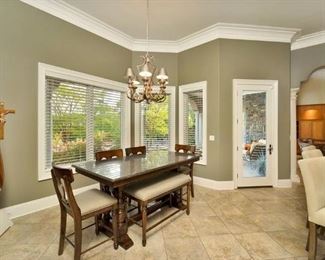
{"x": 146, "y": 73}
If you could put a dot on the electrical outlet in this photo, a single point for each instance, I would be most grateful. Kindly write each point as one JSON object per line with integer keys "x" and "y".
{"x": 211, "y": 137}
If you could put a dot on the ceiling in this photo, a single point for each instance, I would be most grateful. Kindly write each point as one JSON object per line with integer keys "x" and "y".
{"x": 175, "y": 19}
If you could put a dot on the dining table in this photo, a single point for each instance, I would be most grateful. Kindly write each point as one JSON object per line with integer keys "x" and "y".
{"x": 118, "y": 173}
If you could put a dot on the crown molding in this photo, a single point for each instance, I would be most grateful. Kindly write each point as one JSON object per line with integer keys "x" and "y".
{"x": 237, "y": 32}
{"x": 309, "y": 40}
{"x": 155, "y": 46}
{"x": 85, "y": 21}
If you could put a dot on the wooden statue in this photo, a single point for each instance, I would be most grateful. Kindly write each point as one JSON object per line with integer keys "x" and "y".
{"x": 3, "y": 112}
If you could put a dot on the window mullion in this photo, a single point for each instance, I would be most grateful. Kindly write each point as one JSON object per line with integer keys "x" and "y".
{"x": 90, "y": 123}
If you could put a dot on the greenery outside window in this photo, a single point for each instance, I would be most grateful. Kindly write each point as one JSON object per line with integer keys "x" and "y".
{"x": 78, "y": 117}
{"x": 155, "y": 123}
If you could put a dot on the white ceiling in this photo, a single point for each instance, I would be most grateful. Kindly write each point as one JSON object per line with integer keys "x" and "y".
{"x": 175, "y": 19}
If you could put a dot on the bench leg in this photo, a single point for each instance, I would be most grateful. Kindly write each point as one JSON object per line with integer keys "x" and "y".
{"x": 144, "y": 223}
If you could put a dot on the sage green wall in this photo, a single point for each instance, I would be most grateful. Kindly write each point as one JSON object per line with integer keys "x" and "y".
{"x": 202, "y": 64}
{"x": 29, "y": 36}
{"x": 304, "y": 61}
{"x": 254, "y": 60}
{"x": 221, "y": 61}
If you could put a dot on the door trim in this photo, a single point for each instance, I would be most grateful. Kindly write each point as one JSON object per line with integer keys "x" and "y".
{"x": 274, "y": 85}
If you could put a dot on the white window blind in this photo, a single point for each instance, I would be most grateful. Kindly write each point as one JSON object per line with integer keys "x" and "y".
{"x": 80, "y": 120}
{"x": 155, "y": 123}
{"x": 192, "y": 117}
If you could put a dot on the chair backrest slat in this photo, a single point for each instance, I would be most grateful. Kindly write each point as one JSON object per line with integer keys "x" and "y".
{"x": 62, "y": 179}
{"x": 109, "y": 154}
{"x": 184, "y": 148}
{"x": 135, "y": 150}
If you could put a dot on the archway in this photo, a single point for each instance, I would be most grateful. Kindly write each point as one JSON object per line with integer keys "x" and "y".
{"x": 308, "y": 103}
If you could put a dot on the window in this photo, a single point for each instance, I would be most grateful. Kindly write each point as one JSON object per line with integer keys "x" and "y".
{"x": 79, "y": 114}
{"x": 155, "y": 123}
{"x": 192, "y": 117}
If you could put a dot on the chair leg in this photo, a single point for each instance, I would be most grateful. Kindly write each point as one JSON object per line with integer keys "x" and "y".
{"x": 312, "y": 241}
{"x": 144, "y": 223}
{"x": 63, "y": 226}
{"x": 77, "y": 238}
{"x": 192, "y": 186}
{"x": 115, "y": 231}
{"x": 188, "y": 199}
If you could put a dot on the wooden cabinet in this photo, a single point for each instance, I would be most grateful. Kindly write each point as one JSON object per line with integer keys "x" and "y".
{"x": 311, "y": 122}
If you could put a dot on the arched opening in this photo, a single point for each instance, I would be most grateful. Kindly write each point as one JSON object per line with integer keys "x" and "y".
{"x": 308, "y": 115}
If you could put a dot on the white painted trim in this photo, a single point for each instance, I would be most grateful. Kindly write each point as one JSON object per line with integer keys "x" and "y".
{"x": 172, "y": 119}
{"x": 286, "y": 183}
{"x": 40, "y": 204}
{"x": 308, "y": 40}
{"x": 5, "y": 222}
{"x": 54, "y": 71}
{"x": 202, "y": 85}
{"x": 211, "y": 184}
{"x": 273, "y": 84}
{"x": 237, "y": 32}
{"x": 85, "y": 21}
{"x": 293, "y": 134}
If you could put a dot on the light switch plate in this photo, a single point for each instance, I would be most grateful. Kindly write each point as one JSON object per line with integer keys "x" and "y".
{"x": 211, "y": 137}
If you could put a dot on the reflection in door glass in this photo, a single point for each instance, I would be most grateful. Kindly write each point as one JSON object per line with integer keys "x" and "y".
{"x": 254, "y": 133}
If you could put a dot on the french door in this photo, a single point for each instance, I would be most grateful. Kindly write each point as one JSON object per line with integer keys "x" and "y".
{"x": 255, "y": 132}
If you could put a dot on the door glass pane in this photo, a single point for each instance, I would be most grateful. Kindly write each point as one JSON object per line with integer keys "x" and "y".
{"x": 254, "y": 134}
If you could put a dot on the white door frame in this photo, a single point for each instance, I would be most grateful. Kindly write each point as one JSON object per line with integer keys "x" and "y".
{"x": 274, "y": 86}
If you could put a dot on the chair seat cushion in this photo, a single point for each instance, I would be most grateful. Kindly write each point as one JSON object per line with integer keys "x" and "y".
{"x": 93, "y": 200}
{"x": 152, "y": 188}
{"x": 318, "y": 217}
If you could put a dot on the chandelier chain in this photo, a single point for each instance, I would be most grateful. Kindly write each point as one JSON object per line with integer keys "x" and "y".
{"x": 147, "y": 26}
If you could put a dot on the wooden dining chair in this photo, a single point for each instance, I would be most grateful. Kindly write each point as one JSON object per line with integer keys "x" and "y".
{"x": 183, "y": 148}
{"x": 85, "y": 205}
{"x": 108, "y": 155}
{"x": 135, "y": 150}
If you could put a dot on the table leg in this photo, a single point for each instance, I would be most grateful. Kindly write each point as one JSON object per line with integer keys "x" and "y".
{"x": 122, "y": 220}
{"x": 177, "y": 200}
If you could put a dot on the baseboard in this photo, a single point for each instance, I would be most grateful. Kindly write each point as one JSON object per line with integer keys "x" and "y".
{"x": 286, "y": 183}
{"x": 295, "y": 178}
{"x": 39, "y": 204}
{"x": 215, "y": 185}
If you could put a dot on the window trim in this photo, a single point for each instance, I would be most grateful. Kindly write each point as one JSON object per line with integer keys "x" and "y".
{"x": 202, "y": 85}
{"x": 172, "y": 113}
{"x": 54, "y": 71}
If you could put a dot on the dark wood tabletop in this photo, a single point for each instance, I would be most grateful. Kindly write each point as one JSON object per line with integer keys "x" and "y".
{"x": 121, "y": 171}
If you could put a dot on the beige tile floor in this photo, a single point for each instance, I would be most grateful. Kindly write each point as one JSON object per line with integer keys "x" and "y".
{"x": 263, "y": 223}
